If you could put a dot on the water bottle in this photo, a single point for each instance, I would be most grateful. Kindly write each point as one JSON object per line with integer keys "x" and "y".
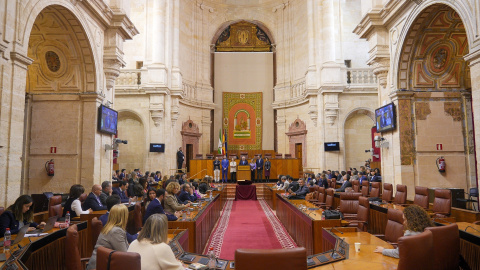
{"x": 67, "y": 218}
{"x": 210, "y": 195}
{"x": 184, "y": 215}
{"x": 6, "y": 241}
{"x": 212, "y": 261}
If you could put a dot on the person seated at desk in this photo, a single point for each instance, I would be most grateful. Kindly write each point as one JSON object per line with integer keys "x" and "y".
{"x": 155, "y": 207}
{"x": 111, "y": 201}
{"x": 415, "y": 220}
{"x": 155, "y": 253}
{"x": 300, "y": 193}
{"x": 171, "y": 203}
{"x": 113, "y": 234}
{"x": 106, "y": 191}
{"x": 187, "y": 194}
{"x": 285, "y": 183}
{"x": 120, "y": 191}
{"x": 93, "y": 200}
{"x": 376, "y": 177}
{"x": 362, "y": 177}
{"x": 345, "y": 184}
{"x": 73, "y": 204}
{"x": 151, "y": 195}
{"x": 203, "y": 186}
{"x": 17, "y": 215}
{"x": 322, "y": 181}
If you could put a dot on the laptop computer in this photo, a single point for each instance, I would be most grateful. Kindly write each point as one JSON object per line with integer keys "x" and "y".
{"x": 50, "y": 224}
{"x": 20, "y": 235}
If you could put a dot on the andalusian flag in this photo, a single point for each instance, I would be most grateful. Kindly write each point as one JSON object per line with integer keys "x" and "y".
{"x": 220, "y": 143}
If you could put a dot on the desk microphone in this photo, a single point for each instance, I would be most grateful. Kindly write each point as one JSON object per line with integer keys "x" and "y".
{"x": 437, "y": 218}
{"x": 311, "y": 213}
{"x": 470, "y": 227}
{"x": 175, "y": 231}
{"x": 334, "y": 228}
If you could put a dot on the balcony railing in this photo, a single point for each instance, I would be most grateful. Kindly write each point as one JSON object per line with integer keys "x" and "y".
{"x": 361, "y": 76}
{"x": 129, "y": 77}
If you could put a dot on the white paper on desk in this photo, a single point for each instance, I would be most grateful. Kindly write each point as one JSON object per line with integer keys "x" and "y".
{"x": 35, "y": 234}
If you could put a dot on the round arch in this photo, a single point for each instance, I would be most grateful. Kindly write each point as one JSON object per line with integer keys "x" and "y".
{"x": 361, "y": 110}
{"x": 132, "y": 128}
{"x": 224, "y": 25}
{"x": 460, "y": 7}
{"x": 357, "y": 139}
{"x": 33, "y": 11}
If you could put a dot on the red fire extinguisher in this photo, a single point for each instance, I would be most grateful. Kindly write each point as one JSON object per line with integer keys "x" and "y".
{"x": 441, "y": 164}
{"x": 50, "y": 167}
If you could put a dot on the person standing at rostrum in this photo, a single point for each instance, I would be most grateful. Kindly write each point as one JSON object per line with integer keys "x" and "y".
{"x": 216, "y": 170}
{"x": 259, "y": 165}
{"x": 233, "y": 170}
{"x": 180, "y": 159}
{"x": 224, "y": 169}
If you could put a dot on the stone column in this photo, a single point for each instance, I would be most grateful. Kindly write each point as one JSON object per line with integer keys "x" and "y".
{"x": 176, "y": 74}
{"x": 474, "y": 62}
{"x": 12, "y": 125}
{"x": 157, "y": 71}
{"x": 311, "y": 78}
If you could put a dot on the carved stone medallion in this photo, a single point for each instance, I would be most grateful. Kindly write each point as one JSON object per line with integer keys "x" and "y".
{"x": 52, "y": 60}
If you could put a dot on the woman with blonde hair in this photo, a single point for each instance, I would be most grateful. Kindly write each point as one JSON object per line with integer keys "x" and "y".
{"x": 152, "y": 245}
{"x": 171, "y": 202}
{"x": 113, "y": 234}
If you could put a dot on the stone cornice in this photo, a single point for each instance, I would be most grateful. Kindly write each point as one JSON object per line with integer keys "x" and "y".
{"x": 20, "y": 59}
{"x": 289, "y": 103}
{"x": 473, "y": 58}
{"x": 197, "y": 104}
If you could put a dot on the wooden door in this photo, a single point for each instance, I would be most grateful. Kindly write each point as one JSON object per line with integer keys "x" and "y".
{"x": 189, "y": 156}
{"x": 298, "y": 154}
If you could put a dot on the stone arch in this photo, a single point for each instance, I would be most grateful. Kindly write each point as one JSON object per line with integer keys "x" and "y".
{"x": 131, "y": 127}
{"x": 411, "y": 28}
{"x": 57, "y": 39}
{"x": 260, "y": 24}
{"x": 357, "y": 136}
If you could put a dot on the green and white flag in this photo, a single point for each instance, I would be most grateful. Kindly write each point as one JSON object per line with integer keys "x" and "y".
{"x": 220, "y": 144}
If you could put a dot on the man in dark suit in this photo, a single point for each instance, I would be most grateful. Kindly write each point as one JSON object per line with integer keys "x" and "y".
{"x": 259, "y": 165}
{"x": 93, "y": 200}
{"x": 345, "y": 184}
{"x": 180, "y": 159}
{"x": 111, "y": 201}
{"x": 300, "y": 193}
{"x": 120, "y": 191}
{"x": 186, "y": 195}
{"x": 243, "y": 161}
{"x": 155, "y": 207}
{"x": 106, "y": 191}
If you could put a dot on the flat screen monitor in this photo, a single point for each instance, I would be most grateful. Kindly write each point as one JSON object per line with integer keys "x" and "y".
{"x": 157, "y": 147}
{"x": 107, "y": 120}
{"x": 332, "y": 146}
{"x": 385, "y": 118}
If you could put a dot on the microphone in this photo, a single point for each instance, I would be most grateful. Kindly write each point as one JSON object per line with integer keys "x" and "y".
{"x": 312, "y": 212}
{"x": 470, "y": 227}
{"x": 334, "y": 228}
{"x": 442, "y": 219}
{"x": 175, "y": 231}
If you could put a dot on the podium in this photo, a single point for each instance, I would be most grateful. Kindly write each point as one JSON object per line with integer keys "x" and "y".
{"x": 243, "y": 172}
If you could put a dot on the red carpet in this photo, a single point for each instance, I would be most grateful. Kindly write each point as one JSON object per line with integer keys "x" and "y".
{"x": 247, "y": 224}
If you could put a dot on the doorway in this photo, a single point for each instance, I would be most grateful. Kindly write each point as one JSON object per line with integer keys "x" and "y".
{"x": 298, "y": 154}
{"x": 189, "y": 155}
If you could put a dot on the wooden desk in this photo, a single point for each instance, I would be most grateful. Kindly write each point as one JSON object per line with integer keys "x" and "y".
{"x": 305, "y": 228}
{"x": 270, "y": 196}
{"x": 200, "y": 223}
{"x": 202, "y": 167}
{"x": 366, "y": 258}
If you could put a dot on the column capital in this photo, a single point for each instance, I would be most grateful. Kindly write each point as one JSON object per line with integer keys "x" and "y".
{"x": 473, "y": 58}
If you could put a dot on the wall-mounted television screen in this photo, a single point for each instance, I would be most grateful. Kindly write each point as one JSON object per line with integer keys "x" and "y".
{"x": 332, "y": 146}
{"x": 385, "y": 118}
{"x": 157, "y": 147}
{"x": 107, "y": 120}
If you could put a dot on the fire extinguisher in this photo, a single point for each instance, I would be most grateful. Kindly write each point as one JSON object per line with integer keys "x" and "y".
{"x": 50, "y": 167}
{"x": 441, "y": 164}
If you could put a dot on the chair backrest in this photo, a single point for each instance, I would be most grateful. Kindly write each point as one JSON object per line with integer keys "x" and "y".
{"x": 288, "y": 156}
{"x": 82, "y": 198}
{"x": 269, "y": 155}
{"x": 387, "y": 192}
{"x": 363, "y": 211}
{"x": 329, "y": 199}
{"x": 97, "y": 227}
{"x": 446, "y": 246}
{"x": 473, "y": 192}
{"x": 119, "y": 260}
{"x": 137, "y": 216}
{"x": 278, "y": 155}
{"x": 394, "y": 228}
{"x": 416, "y": 251}
{"x": 443, "y": 201}
{"x": 321, "y": 194}
{"x": 375, "y": 192}
{"x": 356, "y": 185}
{"x": 401, "y": 194}
{"x": 421, "y": 197}
{"x": 349, "y": 202}
{"x": 311, "y": 189}
{"x": 2, "y": 209}
{"x": 55, "y": 206}
{"x": 365, "y": 187}
{"x": 261, "y": 259}
{"x": 199, "y": 156}
{"x": 331, "y": 183}
{"x": 71, "y": 249}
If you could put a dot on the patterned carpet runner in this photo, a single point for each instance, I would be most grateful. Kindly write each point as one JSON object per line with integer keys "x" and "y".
{"x": 247, "y": 224}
